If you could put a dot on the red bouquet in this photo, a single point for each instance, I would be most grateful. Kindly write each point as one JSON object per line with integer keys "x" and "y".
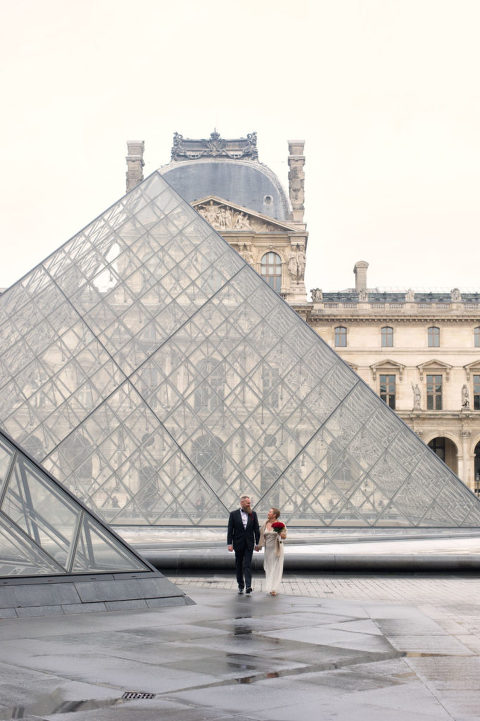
{"x": 278, "y": 526}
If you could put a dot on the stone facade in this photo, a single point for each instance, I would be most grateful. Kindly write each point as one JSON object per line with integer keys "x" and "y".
{"x": 421, "y": 353}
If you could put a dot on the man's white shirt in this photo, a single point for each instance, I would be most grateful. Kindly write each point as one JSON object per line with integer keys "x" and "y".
{"x": 244, "y": 516}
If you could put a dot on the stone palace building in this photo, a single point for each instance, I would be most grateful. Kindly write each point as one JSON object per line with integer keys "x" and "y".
{"x": 419, "y": 351}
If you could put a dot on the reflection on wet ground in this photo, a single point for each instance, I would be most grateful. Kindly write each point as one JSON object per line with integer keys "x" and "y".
{"x": 312, "y": 658}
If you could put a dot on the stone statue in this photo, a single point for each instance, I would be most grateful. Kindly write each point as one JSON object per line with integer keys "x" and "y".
{"x": 247, "y": 254}
{"x": 410, "y": 296}
{"x": 292, "y": 265}
{"x": 242, "y": 222}
{"x": 417, "y": 397}
{"x": 456, "y": 297}
{"x": 209, "y": 212}
{"x": 363, "y": 295}
{"x": 296, "y": 264}
{"x": 317, "y": 295}
{"x": 465, "y": 397}
{"x": 300, "y": 264}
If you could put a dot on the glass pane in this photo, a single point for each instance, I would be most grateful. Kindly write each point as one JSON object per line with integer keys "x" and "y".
{"x": 6, "y": 456}
{"x": 40, "y": 510}
{"x": 19, "y": 557}
{"x": 97, "y": 552}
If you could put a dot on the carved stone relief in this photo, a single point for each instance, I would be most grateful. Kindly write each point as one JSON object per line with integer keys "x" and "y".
{"x": 214, "y": 146}
{"x": 223, "y": 217}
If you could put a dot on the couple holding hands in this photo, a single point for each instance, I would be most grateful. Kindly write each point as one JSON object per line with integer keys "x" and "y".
{"x": 244, "y": 534}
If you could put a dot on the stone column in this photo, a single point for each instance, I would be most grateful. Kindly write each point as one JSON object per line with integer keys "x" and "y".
{"x": 464, "y": 461}
{"x": 135, "y": 163}
{"x": 296, "y": 178}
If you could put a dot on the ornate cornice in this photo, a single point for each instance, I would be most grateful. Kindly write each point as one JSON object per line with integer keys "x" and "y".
{"x": 384, "y": 318}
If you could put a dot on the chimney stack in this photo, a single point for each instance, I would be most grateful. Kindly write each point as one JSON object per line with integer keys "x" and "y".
{"x": 360, "y": 270}
{"x": 134, "y": 163}
{"x": 296, "y": 178}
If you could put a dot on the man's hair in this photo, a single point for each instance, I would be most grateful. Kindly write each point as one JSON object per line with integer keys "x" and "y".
{"x": 245, "y": 496}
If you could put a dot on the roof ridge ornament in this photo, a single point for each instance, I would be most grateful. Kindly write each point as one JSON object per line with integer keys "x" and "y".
{"x": 214, "y": 147}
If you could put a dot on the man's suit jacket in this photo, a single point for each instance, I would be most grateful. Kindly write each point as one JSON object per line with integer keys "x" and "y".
{"x": 238, "y": 536}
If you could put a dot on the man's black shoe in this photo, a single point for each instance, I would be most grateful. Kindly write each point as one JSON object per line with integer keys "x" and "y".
{"x": 240, "y": 591}
{"x": 249, "y": 590}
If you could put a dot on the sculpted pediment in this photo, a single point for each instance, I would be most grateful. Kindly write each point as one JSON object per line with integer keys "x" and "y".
{"x": 473, "y": 367}
{"x": 434, "y": 365}
{"x": 387, "y": 365}
{"x": 225, "y": 216}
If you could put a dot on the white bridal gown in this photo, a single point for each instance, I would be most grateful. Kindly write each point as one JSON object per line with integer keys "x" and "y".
{"x": 272, "y": 564}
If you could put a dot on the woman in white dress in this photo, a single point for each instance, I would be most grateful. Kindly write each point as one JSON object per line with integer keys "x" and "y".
{"x": 272, "y": 541}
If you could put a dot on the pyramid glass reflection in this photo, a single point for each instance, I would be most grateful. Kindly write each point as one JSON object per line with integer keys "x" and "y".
{"x": 152, "y": 371}
{"x": 45, "y": 531}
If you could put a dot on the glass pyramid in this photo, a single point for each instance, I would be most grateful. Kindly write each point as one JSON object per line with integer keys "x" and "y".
{"x": 45, "y": 531}
{"x": 153, "y": 372}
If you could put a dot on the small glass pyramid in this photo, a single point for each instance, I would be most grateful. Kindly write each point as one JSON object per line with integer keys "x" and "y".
{"x": 45, "y": 531}
{"x": 154, "y": 373}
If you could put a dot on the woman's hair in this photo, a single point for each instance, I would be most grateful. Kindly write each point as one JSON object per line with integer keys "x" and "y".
{"x": 276, "y": 511}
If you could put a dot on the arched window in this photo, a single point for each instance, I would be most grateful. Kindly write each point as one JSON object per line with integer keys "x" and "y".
{"x": 387, "y": 337}
{"x": 433, "y": 337}
{"x": 340, "y": 336}
{"x": 271, "y": 269}
{"x": 476, "y": 336}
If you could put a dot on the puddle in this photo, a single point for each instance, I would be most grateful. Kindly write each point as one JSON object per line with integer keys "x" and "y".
{"x": 418, "y": 654}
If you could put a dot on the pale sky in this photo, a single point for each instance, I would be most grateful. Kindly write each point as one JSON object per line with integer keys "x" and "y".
{"x": 386, "y": 94}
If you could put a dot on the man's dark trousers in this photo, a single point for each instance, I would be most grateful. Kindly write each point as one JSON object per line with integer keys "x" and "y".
{"x": 243, "y": 541}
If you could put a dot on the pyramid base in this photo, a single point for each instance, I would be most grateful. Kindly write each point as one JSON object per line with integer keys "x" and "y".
{"x": 22, "y": 597}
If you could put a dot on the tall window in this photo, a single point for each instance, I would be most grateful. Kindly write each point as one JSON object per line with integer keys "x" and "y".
{"x": 476, "y": 393}
{"x": 433, "y": 337}
{"x": 271, "y": 381}
{"x": 209, "y": 392}
{"x": 476, "y": 336}
{"x": 434, "y": 393}
{"x": 340, "y": 336}
{"x": 387, "y": 337}
{"x": 271, "y": 268}
{"x": 387, "y": 390}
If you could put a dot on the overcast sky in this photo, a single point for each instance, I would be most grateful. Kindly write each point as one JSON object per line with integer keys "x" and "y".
{"x": 385, "y": 93}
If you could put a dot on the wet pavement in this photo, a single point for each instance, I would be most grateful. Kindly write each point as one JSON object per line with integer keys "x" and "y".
{"x": 354, "y": 656}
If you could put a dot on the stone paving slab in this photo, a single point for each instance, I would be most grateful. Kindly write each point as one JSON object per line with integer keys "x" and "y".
{"x": 362, "y": 655}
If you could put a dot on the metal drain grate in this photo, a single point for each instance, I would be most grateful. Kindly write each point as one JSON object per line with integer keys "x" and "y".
{"x": 137, "y": 694}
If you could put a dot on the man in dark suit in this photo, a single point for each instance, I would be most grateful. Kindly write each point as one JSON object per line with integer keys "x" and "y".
{"x": 243, "y": 536}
